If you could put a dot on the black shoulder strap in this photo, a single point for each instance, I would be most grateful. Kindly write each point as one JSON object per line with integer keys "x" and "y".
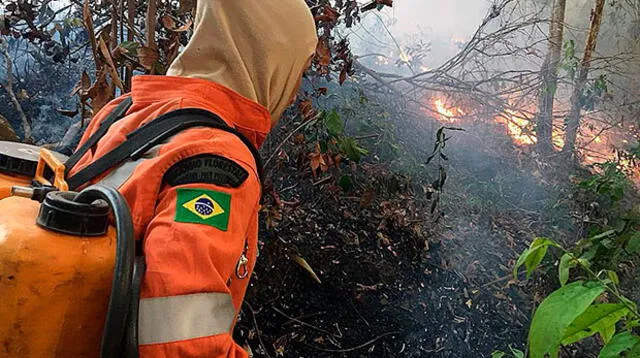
{"x": 155, "y": 132}
{"x": 117, "y": 114}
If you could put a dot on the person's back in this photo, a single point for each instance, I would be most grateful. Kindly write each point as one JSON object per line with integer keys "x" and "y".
{"x": 195, "y": 196}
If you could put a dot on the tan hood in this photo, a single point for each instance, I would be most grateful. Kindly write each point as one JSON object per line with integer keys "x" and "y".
{"x": 258, "y": 48}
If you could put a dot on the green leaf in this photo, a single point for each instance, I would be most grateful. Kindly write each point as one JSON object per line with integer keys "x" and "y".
{"x": 556, "y": 313}
{"x": 334, "y": 124}
{"x": 613, "y": 276}
{"x": 351, "y": 149}
{"x": 607, "y": 334}
{"x": 635, "y": 351}
{"x": 566, "y": 263}
{"x": 633, "y": 245}
{"x": 632, "y": 324}
{"x": 596, "y": 319}
{"x": 516, "y": 352}
{"x": 621, "y": 342}
{"x": 73, "y": 22}
{"x": 603, "y": 235}
{"x": 533, "y": 256}
{"x": 131, "y": 47}
{"x": 345, "y": 183}
{"x": 498, "y": 354}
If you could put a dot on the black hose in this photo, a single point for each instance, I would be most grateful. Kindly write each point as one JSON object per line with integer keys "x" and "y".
{"x": 130, "y": 346}
{"x": 120, "y": 301}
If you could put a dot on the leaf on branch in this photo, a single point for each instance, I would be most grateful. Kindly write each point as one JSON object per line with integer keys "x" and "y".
{"x": 376, "y": 4}
{"x": 596, "y": 319}
{"x": 83, "y": 86}
{"x": 130, "y": 47}
{"x": 68, "y": 113}
{"x": 306, "y": 109}
{"x": 556, "y": 313}
{"x": 168, "y": 22}
{"x": 100, "y": 93}
{"x": 6, "y": 131}
{"x": 113, "y": 70}
{"x": 613, "y": 276}
{"x": 184, "y": 27}
{"x": 620, "y": 343}
{"x": 533, "y": 256}
{"x": 88, "y": 23}
{"x": 323, "y": 55}
{"x": 334, "y": 124}
{"x": 353, "y": 151}
{"x": 343, "y": 75}
{"x": 147, "y": 57}
{"x": 329, "y": 14}
{"x": 633, "y": 245}
{"x": 567, "y": 262}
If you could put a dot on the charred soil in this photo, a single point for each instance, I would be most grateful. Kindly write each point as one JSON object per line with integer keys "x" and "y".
{"x": 372, "y": 273}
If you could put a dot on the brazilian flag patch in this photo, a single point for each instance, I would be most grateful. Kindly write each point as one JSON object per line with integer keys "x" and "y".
{"x": 205, "y": 207}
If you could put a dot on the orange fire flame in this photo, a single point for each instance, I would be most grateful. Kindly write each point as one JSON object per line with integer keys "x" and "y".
{"x": 447, "y": 113}
{"x": 520, "y": 129}
{"x": 519, "y": 125}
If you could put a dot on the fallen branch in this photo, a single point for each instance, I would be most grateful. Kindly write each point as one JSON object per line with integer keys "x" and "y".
{"x": 277, "y": 150}
{"x": 363, "y": 345}
{"x": 255, "y": 323}
{"x": 303, "y": 323}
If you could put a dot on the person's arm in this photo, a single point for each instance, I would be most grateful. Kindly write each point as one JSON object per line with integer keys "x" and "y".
{"x": 192, "y": 291}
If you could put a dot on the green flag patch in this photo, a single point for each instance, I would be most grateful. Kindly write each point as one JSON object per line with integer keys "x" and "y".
{"x": 205, "y": 207}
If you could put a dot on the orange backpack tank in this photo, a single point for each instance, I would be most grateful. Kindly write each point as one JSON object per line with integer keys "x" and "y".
{"x": 58, "y": 293}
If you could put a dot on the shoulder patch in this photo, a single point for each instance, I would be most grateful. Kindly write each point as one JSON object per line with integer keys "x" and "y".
{"x": 206, "y": 169}
{"x": 200, "y": 206}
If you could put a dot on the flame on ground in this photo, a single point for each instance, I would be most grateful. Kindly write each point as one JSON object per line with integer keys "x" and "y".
{"x": 447, "y": 113}
{"x": 596, "y": 143}
{"x": 522, "y": 129}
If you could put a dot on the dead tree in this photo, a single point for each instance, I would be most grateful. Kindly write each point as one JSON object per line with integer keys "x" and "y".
{"x": 544, "y": 123}
{"x": 572, "y": 121}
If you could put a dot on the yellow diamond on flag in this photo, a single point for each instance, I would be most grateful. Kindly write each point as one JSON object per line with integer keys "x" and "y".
{"x": 204, "y": 207}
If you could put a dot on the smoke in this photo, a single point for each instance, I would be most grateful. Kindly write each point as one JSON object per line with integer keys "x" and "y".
{"x": 444, "y": 25}
{"x": 453, "y": 18}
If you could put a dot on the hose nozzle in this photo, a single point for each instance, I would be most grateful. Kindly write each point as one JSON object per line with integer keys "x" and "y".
{"x": 22, "y": 191}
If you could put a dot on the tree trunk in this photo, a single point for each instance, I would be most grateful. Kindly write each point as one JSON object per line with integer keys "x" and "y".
{"x": 544, "y": 124}
{"x": 131, "y": 13}
{"x": 151, "y": 29}
{"x": 573, "y": 119}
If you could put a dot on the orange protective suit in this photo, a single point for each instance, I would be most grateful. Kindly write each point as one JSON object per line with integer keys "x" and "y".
{"x": 195, "y": 198}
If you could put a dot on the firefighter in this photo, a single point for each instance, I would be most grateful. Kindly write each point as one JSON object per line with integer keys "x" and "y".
{"x": 195, "y": 197}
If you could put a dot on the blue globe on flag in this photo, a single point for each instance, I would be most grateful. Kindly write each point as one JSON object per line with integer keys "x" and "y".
{"x": 204, "y": 206}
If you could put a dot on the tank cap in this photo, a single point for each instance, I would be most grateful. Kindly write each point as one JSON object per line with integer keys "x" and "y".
{"x": 60, "y": 213}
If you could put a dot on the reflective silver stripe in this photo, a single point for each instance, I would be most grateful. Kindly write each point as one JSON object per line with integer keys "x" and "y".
{"x": 121, "y": 174}
{"x": 118, "y": 176}
{"x": 178, "y": 318}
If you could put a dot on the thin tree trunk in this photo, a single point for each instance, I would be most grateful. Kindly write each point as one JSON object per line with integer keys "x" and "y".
{"x": 151, "y": 25}
{"x": 544, "y": 124}
{"x": 131, "y": 13}
{"x": 151, "y": 28}
{"x": 573, "y": 119}
{"x": 8, "y": 86}
{"x": 115, "y": 4}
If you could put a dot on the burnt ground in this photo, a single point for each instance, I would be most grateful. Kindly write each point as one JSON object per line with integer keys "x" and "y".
{"x": 392, "y": 279}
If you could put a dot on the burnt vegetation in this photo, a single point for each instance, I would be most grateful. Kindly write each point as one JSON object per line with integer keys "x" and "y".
{"x": 402, "y": 193}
